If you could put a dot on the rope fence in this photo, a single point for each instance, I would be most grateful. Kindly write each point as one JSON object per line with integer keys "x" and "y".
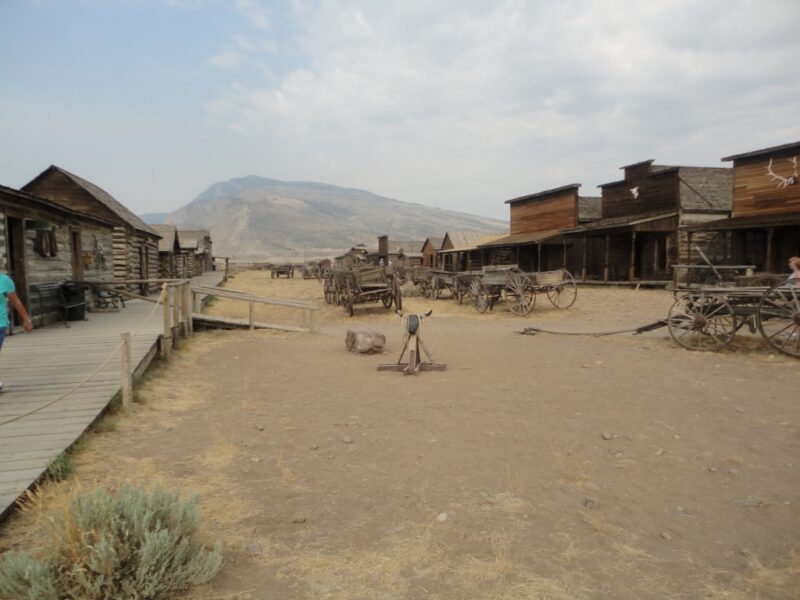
{"x": 180, "y": 305}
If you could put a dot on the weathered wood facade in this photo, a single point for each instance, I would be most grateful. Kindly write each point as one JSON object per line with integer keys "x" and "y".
{"x": 135, "y": 244}
{"x": 460, "y": 250}
{"x": 408, "y": 252}
{"x": 42, "y": 242}
{"x": 200, "y": 241}
{"x": 430, "y": 251}
{"x": 639, "y": 236}
{"x": 169, "y": 251}
{"x": 534, "y": 242}
{"x": 764, "y": 229}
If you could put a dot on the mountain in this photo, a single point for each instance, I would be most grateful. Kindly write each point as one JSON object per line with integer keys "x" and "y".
{"x": 255, "y": 218}
{"x": 154, "y": 218}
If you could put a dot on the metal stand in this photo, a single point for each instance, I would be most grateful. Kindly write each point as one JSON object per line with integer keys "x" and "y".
{"x": 415, "y": 347}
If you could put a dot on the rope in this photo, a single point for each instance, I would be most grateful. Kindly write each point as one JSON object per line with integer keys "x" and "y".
{"x": 90, "y": 375}
{"x": 635, "y": 330}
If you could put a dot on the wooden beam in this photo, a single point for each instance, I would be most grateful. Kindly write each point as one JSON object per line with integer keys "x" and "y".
{"x": 583, "y": 260}
{"x": 769, "y": 259}
{"x": 632, "y": 262}
{"x": 605, "y": 260}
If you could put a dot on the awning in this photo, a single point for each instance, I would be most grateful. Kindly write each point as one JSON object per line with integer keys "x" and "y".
{"x": 747, "y": 222}
{"x": 619, "y": 223}
{"x": 519, "y": 239}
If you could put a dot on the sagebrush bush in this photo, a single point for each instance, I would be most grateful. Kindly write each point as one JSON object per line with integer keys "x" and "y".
{"x": 132, "y": 544}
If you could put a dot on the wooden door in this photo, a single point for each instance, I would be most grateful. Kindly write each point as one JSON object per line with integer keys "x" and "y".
{"x": 16, "y": 260}
{"x": 77, "y": 256}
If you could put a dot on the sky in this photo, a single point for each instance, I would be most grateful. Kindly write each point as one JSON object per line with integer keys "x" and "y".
{"x": 458, "y": 104}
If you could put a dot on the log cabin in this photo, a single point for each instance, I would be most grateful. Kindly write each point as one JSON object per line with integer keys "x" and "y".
{"x": 408, "y": 252}
{"x": 169, "y": 251}
{"x": 764, "y": 228}
{"x": 639, "y": 236}
{"x": 42, "y": 242}
{"x": 196, "y": 246}
{"x": 135, "y": 244}
{"x": 534, "y": 241}
{"x": 429, "y": 251}
{"x": 461, "y": 251}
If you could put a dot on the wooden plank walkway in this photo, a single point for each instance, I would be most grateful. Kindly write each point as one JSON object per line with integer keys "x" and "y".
{"x": 38, "y": 367}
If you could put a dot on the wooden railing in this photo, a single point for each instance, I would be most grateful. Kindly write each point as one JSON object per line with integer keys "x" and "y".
{"x": 252, "y": 299}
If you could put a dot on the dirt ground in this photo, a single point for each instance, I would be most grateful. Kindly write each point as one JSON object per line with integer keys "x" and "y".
{"x": 535, "y": 467}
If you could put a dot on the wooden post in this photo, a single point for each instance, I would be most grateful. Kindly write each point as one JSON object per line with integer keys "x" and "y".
{"x": 539, "y": 257}
{"x": 769, "y": 259}
{"x": 187, "y": 304}
{"x": 605, "y": 260}
{"x": 252, "y": 315}
{"x": 632, "y": 263}
{"x": 310, "y": 320}
{"x": 689, "y": 271}
{"x": 564, "y": 260}
{"x": 195, "y": 302}
{"x": 127, "y": 380}
{"x": 227, "y": 272}
{"x": 583, "y": 260}
{"x": 166, "y": 337}
{"x": 176, "y": 311}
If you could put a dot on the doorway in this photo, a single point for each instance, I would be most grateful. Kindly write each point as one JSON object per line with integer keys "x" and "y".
{"x": 77, "y": 256}
{"x": 16, "y": 260}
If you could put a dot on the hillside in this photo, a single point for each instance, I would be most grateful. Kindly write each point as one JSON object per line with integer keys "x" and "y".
{"x": 255, "y": 218}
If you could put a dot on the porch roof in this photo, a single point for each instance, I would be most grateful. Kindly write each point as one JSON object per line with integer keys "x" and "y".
{"x": 520, "y": 239}
{"x": 616, "y": 223}
{"x": 747, "y": 222}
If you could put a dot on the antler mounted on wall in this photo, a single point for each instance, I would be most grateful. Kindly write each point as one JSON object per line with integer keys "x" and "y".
{"x": 784, "y": 181}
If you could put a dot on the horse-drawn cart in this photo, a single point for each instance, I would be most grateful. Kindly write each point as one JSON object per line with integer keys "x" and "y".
{"x": 351, "y": 287}
{"x": 708, "y": 318}
{"x": 519, "y": 289}
{"x": 284, "y": 270}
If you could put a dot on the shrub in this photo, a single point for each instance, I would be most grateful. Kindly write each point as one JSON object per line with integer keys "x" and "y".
{"x": 133, "y": 544}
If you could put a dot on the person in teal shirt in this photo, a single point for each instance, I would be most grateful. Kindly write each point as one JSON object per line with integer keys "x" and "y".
{"x": 8, "y": 295}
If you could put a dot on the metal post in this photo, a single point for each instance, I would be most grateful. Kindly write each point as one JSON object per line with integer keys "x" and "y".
{"x": 127, "y": 380}
{"x": 166, "y": 336}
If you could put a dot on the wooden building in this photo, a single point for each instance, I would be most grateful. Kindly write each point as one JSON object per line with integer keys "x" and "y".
{"x": 135, "y": 246}
{"x": 408, "y": 252}
{"x": 198, "y": 243}
{"x": 42, "y": 242}
{"x": 461, "y": 251}
{"x": 534, "y": 241}
{"x": 764, "y": 229}
{"x": 430, "y": 251}
{"x": 639, "y": 236}
{"x": 169, "y": 252}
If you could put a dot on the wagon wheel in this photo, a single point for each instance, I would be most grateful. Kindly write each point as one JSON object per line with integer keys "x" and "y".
{"x": 398, "y": 296}
{"x": 481, "y": 296}
{"x": 702, "y": 322}
{"x": 387, "y": 299}
{"x": 327, "y": 292}
{"x": 563, "y": 295}
{"x": 435, "y": 288}
{"x": 348, "y": 299}
{"x": 778, "y": 318}
{"x": 458, "y": 294}
{"x": 519, "y": 294}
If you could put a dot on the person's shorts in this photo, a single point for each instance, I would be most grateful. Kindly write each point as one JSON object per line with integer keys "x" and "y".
{"x": 2, "y": 335}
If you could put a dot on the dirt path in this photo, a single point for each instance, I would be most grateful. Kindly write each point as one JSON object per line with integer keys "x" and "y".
{"x": 327, "y": 479}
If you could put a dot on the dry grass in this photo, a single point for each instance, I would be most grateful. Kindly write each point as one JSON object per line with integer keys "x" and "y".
{"x": 570, "y": 468}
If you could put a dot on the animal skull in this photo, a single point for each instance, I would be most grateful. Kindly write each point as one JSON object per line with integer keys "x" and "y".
{"x": 635, "y": 192}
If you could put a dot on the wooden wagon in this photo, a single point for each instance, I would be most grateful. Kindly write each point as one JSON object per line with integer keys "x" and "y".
{"x": 519, "y": 290}
{"x": 708, "y": 318}
{"x": 284, "y": 270}
{"x": 367, "y": 285}
{"x": 311, "y": 271}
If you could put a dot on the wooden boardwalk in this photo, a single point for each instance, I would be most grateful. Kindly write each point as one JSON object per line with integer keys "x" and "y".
{"x": 39, "y": 367}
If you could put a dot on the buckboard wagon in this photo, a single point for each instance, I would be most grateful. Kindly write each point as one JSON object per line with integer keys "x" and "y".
{"x": 708, "y": 318}
{"x": 519, "y": 289}
{"x": 351, "y": 287}
{"x": 286, "y": 270}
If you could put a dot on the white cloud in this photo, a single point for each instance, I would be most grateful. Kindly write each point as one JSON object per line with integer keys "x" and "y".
{"x": 254, "y": 12}
{"x": 227, "y": 59}
{"x": 465, "y": 103}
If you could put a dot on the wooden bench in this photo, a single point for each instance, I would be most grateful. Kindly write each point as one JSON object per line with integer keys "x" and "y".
{"x": 50, "y": 297}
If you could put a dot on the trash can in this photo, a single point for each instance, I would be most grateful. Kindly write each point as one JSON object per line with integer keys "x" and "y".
{"x": 75, "y": 298}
